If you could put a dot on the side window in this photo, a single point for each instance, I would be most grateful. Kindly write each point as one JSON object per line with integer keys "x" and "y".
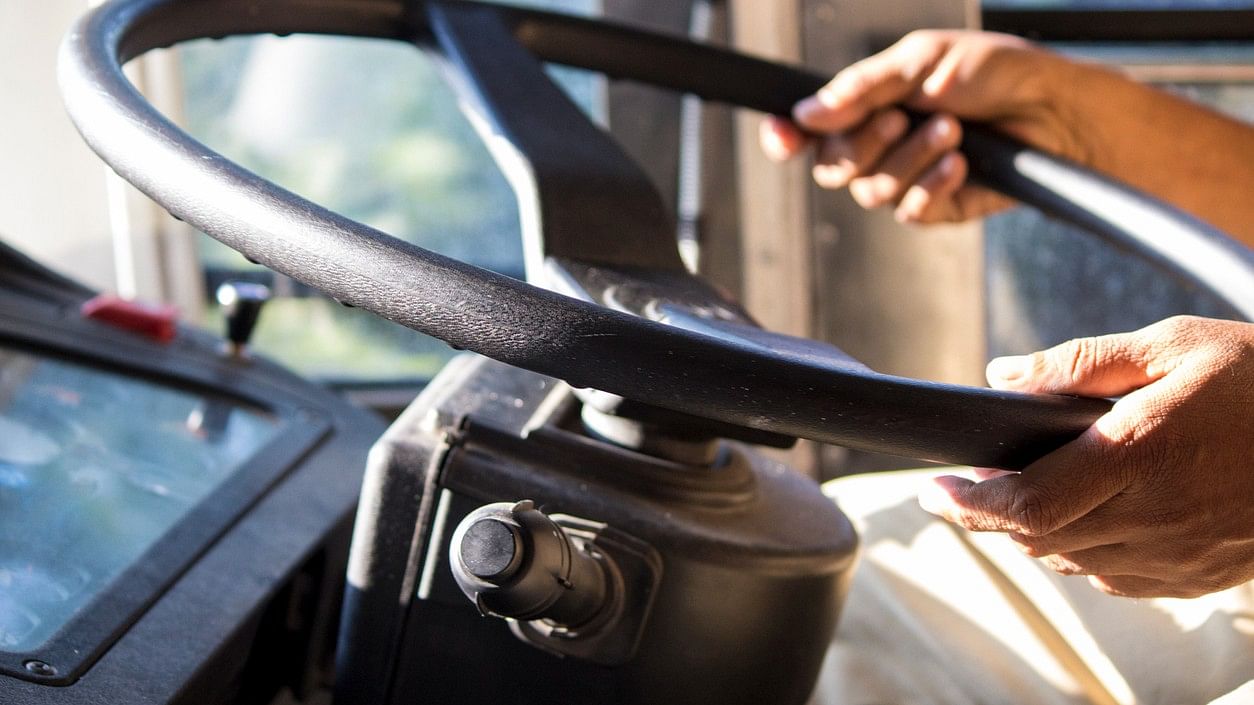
{"x": 1042, "y": 275}
{"x": 369, "y": 129}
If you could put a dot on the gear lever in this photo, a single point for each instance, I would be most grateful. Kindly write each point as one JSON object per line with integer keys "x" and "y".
{"x": 241, "y": 306}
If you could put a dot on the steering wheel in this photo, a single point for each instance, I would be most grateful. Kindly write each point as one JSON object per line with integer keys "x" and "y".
{"x": 620, "y": 313}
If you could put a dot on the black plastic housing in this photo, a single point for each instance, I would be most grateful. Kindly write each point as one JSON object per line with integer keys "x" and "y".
{"x": 754, "y": 560}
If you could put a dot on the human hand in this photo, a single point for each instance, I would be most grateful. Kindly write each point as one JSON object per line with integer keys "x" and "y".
{"x": 1157, "y": 497}
{"x": 862, "y": 139}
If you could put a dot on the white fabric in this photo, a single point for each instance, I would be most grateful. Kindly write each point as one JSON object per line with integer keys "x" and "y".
{"x": 938, "y": 615}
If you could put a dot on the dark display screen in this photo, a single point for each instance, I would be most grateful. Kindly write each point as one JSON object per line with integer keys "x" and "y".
{"x": 95, "y": 467}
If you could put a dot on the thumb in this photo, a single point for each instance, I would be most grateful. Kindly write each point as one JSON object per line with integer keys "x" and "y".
{"x": 1049, "y": 494}
{"x": 1104, "y": 366}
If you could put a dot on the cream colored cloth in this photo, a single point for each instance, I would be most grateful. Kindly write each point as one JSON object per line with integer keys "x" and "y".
{"x": 938, "y": 615}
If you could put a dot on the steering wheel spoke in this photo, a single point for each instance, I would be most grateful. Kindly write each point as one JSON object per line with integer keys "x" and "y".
{"x": 580, "y": 195}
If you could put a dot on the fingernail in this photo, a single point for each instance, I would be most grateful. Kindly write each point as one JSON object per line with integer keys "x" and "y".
{"x": 911, "y": 205}
{"x": 936, "y": 496}
{"x": 807, "y": 109}
{"x": 933, "y": 499}
{"x": 771, "y": 142}
{"x": 885, "y": 187}
{"x": 1008, "y": 369}
{"x": 832, "y": 175}
{"x": 869, "y": 191}
{"x": 941, "y": 130}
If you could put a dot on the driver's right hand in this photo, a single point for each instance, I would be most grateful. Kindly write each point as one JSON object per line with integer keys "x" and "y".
{"x": 862, "y": 139}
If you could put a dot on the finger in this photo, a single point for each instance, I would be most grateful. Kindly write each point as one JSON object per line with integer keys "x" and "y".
{"x": 1064, "y": 566}
{"x": 1185, "y": 564}
{"x": 1110, "y": 559}
{"x": 974, "y": 201}
{"x": 1048, "y": 495}
{"x": 1126, "y": 517}
{"x": 931, "y": 200}
{"x": 780, "y": 139}
{"x": 843, "y": 157}
{"x": 1108, "y": 365}
{"x": 1131, "y": 586}
{"x": 1100, "y": 527}
{"x": 906, "y": 162}
{"x": 884, "y": 79}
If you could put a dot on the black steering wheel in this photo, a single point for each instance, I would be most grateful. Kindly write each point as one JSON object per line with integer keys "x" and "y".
{"x": 620, "y": 313}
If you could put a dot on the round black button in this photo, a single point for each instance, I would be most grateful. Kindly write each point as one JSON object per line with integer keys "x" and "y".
{"x": 488, "y": 549}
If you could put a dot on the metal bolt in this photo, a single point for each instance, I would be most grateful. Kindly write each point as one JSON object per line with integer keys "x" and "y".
{"x": 39, "y": 668}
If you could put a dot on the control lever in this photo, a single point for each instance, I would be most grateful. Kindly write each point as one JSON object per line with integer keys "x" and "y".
{"x": 241, "y": 306}
{"x": 513, "y": 561}
{"x": 570, "y": 586}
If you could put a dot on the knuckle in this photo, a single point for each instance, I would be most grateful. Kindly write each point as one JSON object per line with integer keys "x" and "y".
{"x": 1175, "y": 326}
{"x": 1031, "y": 513}
{"x": 916, "y": 52}
{"x": 1073, "y": 361}
{"x": 1170, "y": 336}
{"x": 916, "y": 41}
{"x": 854, "y": 80}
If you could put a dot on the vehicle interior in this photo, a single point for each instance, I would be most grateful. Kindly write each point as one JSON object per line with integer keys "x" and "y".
{"x": 439, "y": 351}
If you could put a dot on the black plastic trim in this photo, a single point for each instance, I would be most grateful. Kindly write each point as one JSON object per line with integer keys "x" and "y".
{"x": 1133, "y": 25}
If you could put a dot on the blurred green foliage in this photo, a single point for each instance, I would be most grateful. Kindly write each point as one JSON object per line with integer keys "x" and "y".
{"x": 369, "y": 129}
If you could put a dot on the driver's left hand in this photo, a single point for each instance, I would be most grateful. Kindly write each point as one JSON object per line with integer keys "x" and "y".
{"x": 1157, "y": 497}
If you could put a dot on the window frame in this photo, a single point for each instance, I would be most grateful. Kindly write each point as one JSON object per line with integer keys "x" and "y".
{"x": 1131, "y": 25}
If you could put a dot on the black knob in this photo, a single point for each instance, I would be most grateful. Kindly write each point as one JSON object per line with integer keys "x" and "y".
{"x": 241, "y": 306}
{"x": 513, "y": 561}
{"x": 490, "y": 549}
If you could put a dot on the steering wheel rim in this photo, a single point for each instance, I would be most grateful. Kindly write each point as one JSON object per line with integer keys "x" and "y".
{"x": 725, "y": 378}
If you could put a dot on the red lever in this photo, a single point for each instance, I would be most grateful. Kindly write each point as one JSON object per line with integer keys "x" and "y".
{"x": 155, "y": 321}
